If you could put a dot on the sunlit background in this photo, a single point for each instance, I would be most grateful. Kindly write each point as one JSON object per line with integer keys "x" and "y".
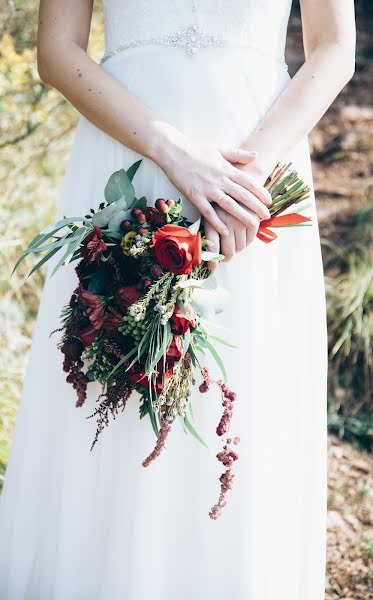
{"x": 36, "y": 125}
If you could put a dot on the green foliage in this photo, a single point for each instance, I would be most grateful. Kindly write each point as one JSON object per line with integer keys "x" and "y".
{"x": 36, "y": 126}
{"x": 350, "y": 326}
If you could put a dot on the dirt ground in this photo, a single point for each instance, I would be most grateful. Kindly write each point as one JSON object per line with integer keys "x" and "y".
{"x": 342, "y": 155}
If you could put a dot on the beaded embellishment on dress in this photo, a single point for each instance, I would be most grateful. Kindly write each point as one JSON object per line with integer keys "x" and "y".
{"x": 191, "y": 38}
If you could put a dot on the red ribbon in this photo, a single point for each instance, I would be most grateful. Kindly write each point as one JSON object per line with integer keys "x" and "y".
{"x": 267, "y": 235}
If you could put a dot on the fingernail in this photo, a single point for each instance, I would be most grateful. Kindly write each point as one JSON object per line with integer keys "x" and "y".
{"x": 225, "y": 232}
{"x": 252, "y": 153}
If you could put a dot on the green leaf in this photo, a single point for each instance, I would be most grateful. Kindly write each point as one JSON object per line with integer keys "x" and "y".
{"x": 163, "y": 347}
{"x": 195, "y": 226}
{"x": 193, "y": 431}
{"x": 153, "y": 419}
{"x": 212, "y": 256}
{"x": 221, "y": 341}
{"x": 191, "y": 411}
{"x": 71, "y": 248}
{"x": 181, "y": 305}
{"x": 119, "y": 186}
{"x": 66, "y": 239}
{"x": 186, "y": 342}
{"x": 52, "y": 229}
{"x": 204, "y": 342}
{"x": 43, "y": 261}
{"x": 141, "y": 203}
{"x": 131, "y": 172}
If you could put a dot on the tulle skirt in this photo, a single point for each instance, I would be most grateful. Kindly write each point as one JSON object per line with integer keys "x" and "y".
{"x": 81, "y": 525}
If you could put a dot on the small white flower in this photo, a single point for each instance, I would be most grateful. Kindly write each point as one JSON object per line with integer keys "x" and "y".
{"x": 138, "y": 238}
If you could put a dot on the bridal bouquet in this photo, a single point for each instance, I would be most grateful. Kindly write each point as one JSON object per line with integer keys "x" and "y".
{"x": 132, "y": 324}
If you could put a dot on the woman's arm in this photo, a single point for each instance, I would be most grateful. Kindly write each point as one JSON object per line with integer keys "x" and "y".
{"x": 199, "y": 171}
{"x": 329, "y": 43}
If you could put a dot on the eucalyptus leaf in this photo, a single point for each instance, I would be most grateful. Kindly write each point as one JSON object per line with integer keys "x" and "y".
{"x": 41, "y": 262}
{"x": 102, "y": 217}
{"x": 119, "y": 187}
{"x": 71, "y": 248}
{"x": 118, "y": 217}
{"x": 131, "y": 172}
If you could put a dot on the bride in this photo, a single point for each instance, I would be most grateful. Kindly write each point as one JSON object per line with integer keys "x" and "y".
{"x": 200, "y": 90}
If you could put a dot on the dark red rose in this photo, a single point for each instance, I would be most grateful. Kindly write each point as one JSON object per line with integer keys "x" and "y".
{"x": 179, "y": 322}
{"x": 127, "y": 295}
{"x": 177, "y": 249}
{"x": 93, "y": 245}
{"x": 88, "y": 335}
{"x": 175, "y": 349}
{"x": 94, "y": 307}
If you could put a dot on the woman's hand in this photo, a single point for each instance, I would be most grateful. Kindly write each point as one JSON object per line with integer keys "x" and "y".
{"x": 240, "y": 235}
{"x": 205, "y": 175}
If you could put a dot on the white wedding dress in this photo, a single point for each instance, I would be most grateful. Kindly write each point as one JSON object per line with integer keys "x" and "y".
{"x": 81, "y": 525}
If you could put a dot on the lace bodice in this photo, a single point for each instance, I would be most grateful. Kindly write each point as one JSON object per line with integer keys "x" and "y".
{"x": 197, "y": 24}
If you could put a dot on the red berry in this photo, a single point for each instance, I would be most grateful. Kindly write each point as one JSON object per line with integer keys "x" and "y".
{"x": 170, "y": 202}
{"x": 140, "y": 218}
{"x": 142, "y": 230}
{"x": 136, "y": 211}
{"x": 126, "y": 225}
{"x": 161, "y": 205}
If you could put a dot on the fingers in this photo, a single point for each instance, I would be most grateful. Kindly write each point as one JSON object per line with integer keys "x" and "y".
{"x": 210, "y": 215}
{"x": 236, "y": 241}
{"x": 233, "y": 208}
{"x": 249, "y": 183}
{"x": 251, "y": 233}
{"x": 237, "y": 155}
{"x": 228, "y": 246}
{"x": 213, "y": 237}
{"x": 247, "y": 199}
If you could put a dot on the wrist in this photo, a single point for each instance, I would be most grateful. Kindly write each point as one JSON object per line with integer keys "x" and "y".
{"x": 163, "y": 144}
{"x": 265, "y": 162}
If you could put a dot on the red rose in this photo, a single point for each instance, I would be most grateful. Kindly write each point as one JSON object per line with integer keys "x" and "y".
{"x": 177, "y": 249}
{"x": 127, "y": 296}
{"x": 175, "y": 349}
{"x": 180, "y": 323}
{"x": 93, "y": 245}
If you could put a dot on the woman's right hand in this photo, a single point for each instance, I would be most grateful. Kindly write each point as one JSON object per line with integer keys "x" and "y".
{"x": 205, "y": 174}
